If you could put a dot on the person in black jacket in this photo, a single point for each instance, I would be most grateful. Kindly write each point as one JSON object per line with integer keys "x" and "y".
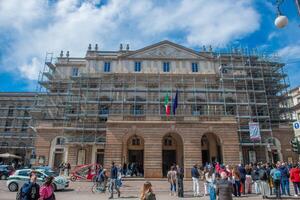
{"x": 30, "y": 190}
{"x": 243, "y": 173}
{"x": 113, "y": 181}
{"x": 180, "y": 176}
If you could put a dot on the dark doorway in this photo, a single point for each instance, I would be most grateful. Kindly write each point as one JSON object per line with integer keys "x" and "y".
{"x": 58, "y": 158}
{"x": 100, "y": 158}
{"x": 205, "y": 157}
{"x": 169, "y": 158}
{"x": 136, "y": 162}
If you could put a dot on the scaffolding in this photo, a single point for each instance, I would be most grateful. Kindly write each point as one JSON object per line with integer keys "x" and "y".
{"x": 245, "y": 84}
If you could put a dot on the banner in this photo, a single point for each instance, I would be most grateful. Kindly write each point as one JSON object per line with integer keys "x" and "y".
{"x": 254, "y": 131}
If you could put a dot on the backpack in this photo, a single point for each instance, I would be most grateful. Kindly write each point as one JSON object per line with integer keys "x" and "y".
{"x": 277, "y": 175}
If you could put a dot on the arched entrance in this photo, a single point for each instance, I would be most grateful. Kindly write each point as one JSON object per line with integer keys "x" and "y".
{"x": 172, "y": 152}
{"x": 211, "y": 149}
{"x": 274, "y": 150}
{"x": 135, "y": 155}
{"x": 58, "y": 152}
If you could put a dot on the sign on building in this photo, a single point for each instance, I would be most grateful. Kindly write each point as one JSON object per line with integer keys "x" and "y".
{"x": 296, "y": 127}
{"x": 254, "y": 131}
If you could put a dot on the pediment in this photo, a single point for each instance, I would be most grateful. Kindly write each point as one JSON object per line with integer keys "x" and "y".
{"x": 164, "y": 50}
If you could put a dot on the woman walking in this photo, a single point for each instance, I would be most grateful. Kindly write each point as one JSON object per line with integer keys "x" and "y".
{"x": 147, "y": 193}
{"x": 236, "y": 178}
{"x": 248, "y": 183}
{"x": 47, "y": 190}
{"x": 172, "y": 179}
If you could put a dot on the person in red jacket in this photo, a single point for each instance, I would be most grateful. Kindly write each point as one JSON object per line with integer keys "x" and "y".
{"x": 295, "y": 178}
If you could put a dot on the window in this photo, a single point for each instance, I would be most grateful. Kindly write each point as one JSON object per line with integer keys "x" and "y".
{"x": 137, "y": 66}
{"x": 298, "y": 100}
{"x": 194, "y": 67}
{"x": 8, "y": 124}
{"x": 60, "y": 141}
{"x": 24, "y": 126}
{"x": 104, "y": 110}
{"x": 136, "y": 141}
{"x": 106, "y": 66}
{"x": 75, "y": 71}
{"x": 168, "y": 141}
{"x": 166, "y": 66}
{"x": 10, "y": 111}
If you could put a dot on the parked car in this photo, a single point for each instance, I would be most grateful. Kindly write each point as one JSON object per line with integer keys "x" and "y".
{"x": 6, "y": 171}
{"x": 20, "y": 177}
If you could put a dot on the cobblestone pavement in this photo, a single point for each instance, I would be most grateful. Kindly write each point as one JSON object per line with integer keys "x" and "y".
{"x": 130, "y": 190}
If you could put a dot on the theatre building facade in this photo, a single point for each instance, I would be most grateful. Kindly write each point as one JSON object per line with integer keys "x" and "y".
{"x": 160, "y": 105}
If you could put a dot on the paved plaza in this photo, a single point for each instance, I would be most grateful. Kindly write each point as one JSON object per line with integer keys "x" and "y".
{"x": 130, "y": 190}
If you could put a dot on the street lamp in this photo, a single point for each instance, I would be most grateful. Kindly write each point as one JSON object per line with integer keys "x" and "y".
{"x": 281, "y": 20}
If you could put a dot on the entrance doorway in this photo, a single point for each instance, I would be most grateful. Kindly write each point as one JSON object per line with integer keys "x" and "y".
{"x": 172, "y": 152}
{"x": 169, "y": 159}
{"x": 58, "y": 159}
{"x": 135, "y": 156}
{"x": 211, "y": 149}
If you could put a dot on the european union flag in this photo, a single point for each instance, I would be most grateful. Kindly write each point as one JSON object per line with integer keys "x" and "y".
{"x": 175, "y": 103}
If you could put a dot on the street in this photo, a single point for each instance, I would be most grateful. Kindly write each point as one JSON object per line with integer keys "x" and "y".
{"x": 130, "y": 190}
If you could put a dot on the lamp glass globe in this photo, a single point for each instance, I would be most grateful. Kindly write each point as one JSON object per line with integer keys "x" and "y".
{"x": 281, "y": 21}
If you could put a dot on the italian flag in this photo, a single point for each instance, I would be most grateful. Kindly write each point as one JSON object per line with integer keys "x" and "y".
{"x": 167, "y": 105}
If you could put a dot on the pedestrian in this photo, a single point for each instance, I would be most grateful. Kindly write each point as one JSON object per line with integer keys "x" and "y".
{"x": 30, "y": 190}
{"x": 264, "y": 187}
{"x": 102, "y": 180}
{"x": 285, "y": 175}
{"x": 68, "y": 168}
{"x": 180, "y": 176}
{"x": 47, "y": 190}
{"x": 224, "y": 188}
{"x": 295, "y": 178}
{"x": 172, "y": 179}
{"x": 236, "y": 178}
{"x": 113, "y": 181}
{"x": 61, "y": 168}
{"x": 211, "y": 182}
{"x": 255, "y": 178}
{"x": 270, "y": 179}
{"x": 205, "y": 183}
{"x": 242, "y": 171}
{"x": 248, "y": 182}
{"x": 147, "y": 192}
{"x": 124, "y": 169}
{"x": 195, "y": 177}
{"x": 276, "y": 176}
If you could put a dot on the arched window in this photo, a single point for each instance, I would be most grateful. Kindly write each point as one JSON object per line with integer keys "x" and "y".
{"x": 60, "y": 141}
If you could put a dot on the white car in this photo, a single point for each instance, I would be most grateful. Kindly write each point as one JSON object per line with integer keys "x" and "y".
{"x": 16, "y": 181}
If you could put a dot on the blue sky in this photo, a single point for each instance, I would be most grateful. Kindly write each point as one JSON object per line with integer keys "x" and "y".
{"x": 29, "y": 29}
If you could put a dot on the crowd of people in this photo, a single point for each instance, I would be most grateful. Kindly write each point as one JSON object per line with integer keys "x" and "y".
{"x": 226, "y": 181}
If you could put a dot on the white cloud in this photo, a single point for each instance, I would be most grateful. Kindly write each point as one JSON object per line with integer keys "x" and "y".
{"x": 72, "y": 25}
{"x": 290, "y": 52}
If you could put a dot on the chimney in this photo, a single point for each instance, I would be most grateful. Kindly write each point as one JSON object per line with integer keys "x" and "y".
{"x": 96, "y": 47}
{"x": 210, "y": 48}
{"x": 127, "y": 47}
{"x": 90, "y": 47}
{"x": 204, "y": 48}
{"x": 121, "y": 47}
{"x": 68, "y": 54}
{"x": 61, "y": 53}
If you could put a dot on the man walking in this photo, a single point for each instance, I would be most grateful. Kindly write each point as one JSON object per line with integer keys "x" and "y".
{"x": 30, "y": 190}
{"x": 113, "y": 181}
{"x": 276, "y": 175}
{"x": 195, "y": 178}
